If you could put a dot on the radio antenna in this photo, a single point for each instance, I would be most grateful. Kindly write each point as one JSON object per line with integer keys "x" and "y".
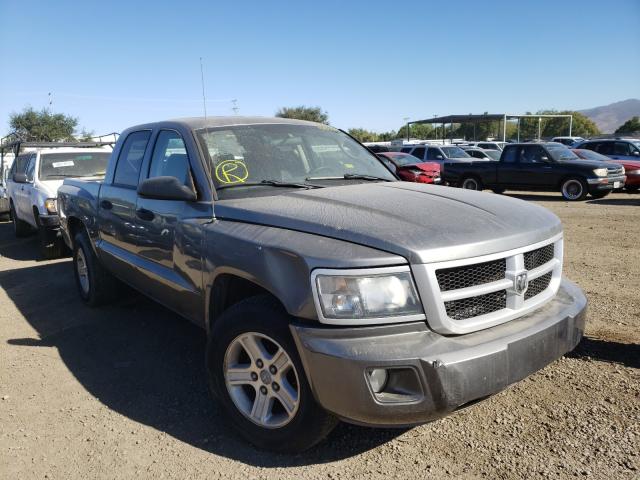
{"x": 204, "y": 98}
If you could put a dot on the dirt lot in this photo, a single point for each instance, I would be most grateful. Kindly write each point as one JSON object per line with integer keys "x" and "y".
{"x": 119, "y": 392}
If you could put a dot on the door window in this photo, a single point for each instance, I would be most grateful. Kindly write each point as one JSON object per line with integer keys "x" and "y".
{"x": 20, "y": 164}
{"x": 31, "y": 168}
{"x": 130, "y": 159}
{"x": 621, "y": 148}
{"x": 419, "y": 152}
{"x": 533, "y": 154}
{"x": 170, "y": 157}
{"x": 510, "y": 154}
{"x": 433, "y": 153}
{"x": 605, "y": 148}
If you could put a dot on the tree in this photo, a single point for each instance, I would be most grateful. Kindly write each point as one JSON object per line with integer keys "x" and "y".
{"x": 363, "y": 135}
{"x": 43, "y": 125}
{"x": 312, "y": 114}
{"x": 422, "y": 131}
{"x": 630, "y": 126}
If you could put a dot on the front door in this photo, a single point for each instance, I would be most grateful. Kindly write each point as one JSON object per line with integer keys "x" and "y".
{"x": 169, "y": 249}
{"x": 117, "y": 207}
{"x": 537, "y": 169}
{"x": 22, "y": 200}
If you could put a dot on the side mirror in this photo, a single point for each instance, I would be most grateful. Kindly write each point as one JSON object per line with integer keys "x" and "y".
{"x": 439, "y": 157}
{"x": 20, "y": 178}
{"x": 545, "y": 159}
{"x": 636, "y": 153}
{"x": 166, "y": 188}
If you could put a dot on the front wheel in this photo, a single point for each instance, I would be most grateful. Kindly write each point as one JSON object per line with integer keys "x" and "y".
{"x": 574, "y": 189}
{"x": 256, "y": 375}
{"x": 20, "y": 228}
{"x": 471, "y": 183}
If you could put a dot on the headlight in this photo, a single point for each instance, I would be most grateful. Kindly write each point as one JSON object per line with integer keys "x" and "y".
{"x": 600, "y": 172}
{"x": 633, "y": 172}
{"x": 51, "y": 204}
{"x": 366, "y": 295}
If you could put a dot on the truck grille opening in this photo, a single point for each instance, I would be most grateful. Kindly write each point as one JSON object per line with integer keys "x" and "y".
{"x": 538, "y": 257}
{"x": 471, "y": 275}
{"x": 476, "y": 306}
{"x": 538, "y": 286}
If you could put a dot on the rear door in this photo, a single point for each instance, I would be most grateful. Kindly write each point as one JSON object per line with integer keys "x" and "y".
{"x": 170, "y": 257}
{"x": 117, "y": 208}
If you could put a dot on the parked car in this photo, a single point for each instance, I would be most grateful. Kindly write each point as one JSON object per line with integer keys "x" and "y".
{"x": 32, "y": 188}
{"x": 539, "y": 166}
{"x": 482, "y": 153}
{"x": 437, "y": 153}
{"x": 631, "y": 167}
{"x": 411, "y": 169}
{"x": 327, "y": 288}
{"x": 616, "y": 149}
{"x": 489, "y": 145}
{"x": 568, "y": 141}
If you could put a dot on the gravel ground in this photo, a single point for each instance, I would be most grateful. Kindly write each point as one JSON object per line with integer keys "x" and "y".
{"x": 119, "y": 392}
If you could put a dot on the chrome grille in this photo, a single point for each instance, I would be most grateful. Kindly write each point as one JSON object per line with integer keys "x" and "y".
{"x": 476, "y": 306}
{"x": 538, "y": 257}
{"x": 470, "y": 275}
{"x": 537, "y": 286}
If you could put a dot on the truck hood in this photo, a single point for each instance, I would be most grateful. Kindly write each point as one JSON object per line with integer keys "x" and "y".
{"x": 590, "y": 163}
{"x": 50, "y": 187}
{"x": 419, "y": 222}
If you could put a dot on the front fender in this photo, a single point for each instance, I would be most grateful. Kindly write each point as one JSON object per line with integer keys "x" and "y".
{"x": 281, "y": 260}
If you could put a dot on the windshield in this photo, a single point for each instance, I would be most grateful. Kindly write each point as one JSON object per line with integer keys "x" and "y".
{"x": 494, "y": 154}
{"x": 403, "y": 159}
{"x": 54, "y": 166}
{"x": 454, "y": 152}
{"x": 247, "y": 155}
{"x": 561, "y": 152}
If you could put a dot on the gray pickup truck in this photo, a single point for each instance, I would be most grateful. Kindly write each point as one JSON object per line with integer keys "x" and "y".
{"x": 327, "y": 289}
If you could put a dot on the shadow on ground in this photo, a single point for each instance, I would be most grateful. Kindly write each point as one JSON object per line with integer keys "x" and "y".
{"x": 144, "y": 362}
{"x": 632, "y": 199}
{"x": 627, "y": 354}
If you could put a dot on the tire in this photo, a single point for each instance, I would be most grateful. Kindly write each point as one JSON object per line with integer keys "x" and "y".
{"x": 632, "y": 188}
{"x": 598, "y": 195}
{"x": 471, "y": 183}
{"x": 50, "y": 246}
{"x": 95, "y": 285}
{"x": 20, "y": 228}
{"x": 261, "y": 321}
{"x": 498, "y": 190}
{"x": 574, "y": 189}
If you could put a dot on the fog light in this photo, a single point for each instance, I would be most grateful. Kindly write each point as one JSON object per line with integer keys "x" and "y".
{"x": 378, "y": 379}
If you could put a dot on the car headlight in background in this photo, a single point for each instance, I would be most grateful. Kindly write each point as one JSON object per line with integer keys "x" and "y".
{"x": 367, "y": 295}
{"x": 600, "y": 172}
{"x": 51, "y": 204}
{"x": 633, "y": 172}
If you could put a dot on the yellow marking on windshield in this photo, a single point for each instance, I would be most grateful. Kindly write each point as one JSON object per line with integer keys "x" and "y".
{"x": 232, "y": 171}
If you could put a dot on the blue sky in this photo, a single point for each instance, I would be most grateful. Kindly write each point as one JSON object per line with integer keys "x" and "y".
{"x": 368, "y": 63}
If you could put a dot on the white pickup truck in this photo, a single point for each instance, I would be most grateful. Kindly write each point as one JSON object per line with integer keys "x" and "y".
{"x": 32, "y": 187}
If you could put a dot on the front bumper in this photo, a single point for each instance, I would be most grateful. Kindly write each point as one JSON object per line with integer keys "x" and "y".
{"x": 606, "y": 183}
{"x": 440, "y": 374}
{"x": 49, "y": 221}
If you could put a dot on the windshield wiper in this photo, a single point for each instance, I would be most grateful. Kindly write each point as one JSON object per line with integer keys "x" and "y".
{"x": 352, "y": 176}
{"x": 272, "y": 183}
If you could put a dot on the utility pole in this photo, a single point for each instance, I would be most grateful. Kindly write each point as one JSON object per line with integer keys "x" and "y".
{"x": 406, "y": 120}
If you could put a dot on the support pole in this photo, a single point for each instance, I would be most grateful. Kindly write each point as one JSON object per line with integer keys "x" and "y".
{"x": 539, "y": 126}
{"x": 570, "y": 124}
{"x": 518, "y": 129}
{"x": 504, "y": 129}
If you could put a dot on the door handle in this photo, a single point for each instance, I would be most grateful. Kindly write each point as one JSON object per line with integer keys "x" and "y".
{"x": 106, "y": 204}
{"x": 144, "y": 214}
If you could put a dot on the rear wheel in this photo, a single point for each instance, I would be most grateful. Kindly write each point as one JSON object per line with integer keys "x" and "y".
{"x": 471, "y": 183}
{"x": 20, "y": 228}
{"x": 574, "y": 189}
{"x": 256, "y": 374}
{"x": 95, "y": 285}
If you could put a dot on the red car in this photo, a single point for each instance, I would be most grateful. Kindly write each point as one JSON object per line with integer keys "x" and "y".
{"x": 410, "y": 168}
{"x": 631, "y": 167}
